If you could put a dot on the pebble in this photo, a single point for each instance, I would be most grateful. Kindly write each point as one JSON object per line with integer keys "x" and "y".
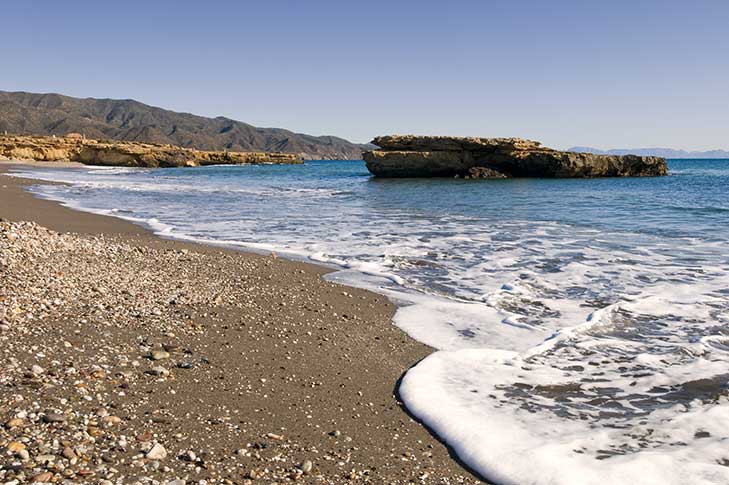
{"x": 158, "y": 371}
{"x": 15, "y": 446}
{"x": 45, "y": 458}
{"x": 188, "y": 456}
{"x": 14, "y": 423}
{"x": 157, "y": 452}
{"x": 68, "y": 453}
{"x": 307, "y": 466}
{"x": 160, "y": 355}
{"x": 44, "y": 477}
{"x": 111, "y": 420}
{"x": 54, "y": 418}
{"x": 171, "y": 347}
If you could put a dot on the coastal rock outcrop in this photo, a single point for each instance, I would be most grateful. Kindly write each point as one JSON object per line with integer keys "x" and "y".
{"x": 128, "y": 154}
{"x": 445, "y": 156}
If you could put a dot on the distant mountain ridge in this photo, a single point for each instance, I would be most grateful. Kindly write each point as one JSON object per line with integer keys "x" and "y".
{"x": 654, "y": 152}
{"x": 129, "y": 120}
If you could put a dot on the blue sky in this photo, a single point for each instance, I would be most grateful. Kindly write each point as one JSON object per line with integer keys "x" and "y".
{"x": 606, "y": 74}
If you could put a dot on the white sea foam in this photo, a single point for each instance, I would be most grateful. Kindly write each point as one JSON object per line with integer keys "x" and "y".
{"x": 513, "y": 435}
{"x": 567, "y": 355}
{"x": 596, "y": 403}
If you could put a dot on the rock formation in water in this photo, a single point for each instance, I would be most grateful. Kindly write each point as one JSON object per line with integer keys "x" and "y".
{"x": 75, "y": 148}
{"x": 444, "y": 156}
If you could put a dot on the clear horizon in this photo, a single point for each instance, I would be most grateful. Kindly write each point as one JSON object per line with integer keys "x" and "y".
{"x": 566, "y": 74}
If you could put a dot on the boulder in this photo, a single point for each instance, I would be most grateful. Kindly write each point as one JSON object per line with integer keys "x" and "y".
{"x": 485, "y": 173}
{"x": 468, "y": 157}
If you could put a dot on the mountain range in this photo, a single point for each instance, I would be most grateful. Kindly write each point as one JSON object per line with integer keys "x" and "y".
{"x": 129, "y": 120}
{"x": 654, "y": 152}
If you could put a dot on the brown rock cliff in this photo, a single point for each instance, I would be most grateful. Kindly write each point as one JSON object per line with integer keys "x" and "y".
{"x": 128, "y": 154}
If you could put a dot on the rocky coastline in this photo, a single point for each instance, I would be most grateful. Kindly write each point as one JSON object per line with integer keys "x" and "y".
{"x": 75, "y": 148}
{"x": 444, "y": 156}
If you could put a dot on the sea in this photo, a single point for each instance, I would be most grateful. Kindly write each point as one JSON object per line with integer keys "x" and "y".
{"x": 581, "y": 327}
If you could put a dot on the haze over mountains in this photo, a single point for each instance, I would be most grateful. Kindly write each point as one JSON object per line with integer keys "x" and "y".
{"x": 654, "y": 152}
{"x": 129, "y": 120}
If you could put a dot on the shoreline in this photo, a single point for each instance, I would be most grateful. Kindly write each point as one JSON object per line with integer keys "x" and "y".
{"x": 327, "y": 409}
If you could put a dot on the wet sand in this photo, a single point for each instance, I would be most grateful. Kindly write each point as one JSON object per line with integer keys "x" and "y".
{"x": 243, "y": 368}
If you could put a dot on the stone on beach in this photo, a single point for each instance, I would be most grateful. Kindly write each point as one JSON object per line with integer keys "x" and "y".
{"x": 44, "y": 477}
{"x": 158, "y": 371}
{"x": 68, "y": 453}
{"x": 53, "y": 417}
{"x": 157, "y": 452}
{"x": 15, "y": 446}
{"x": 14, "y": 423}
{"x": 189, "y": 455}
{"x": 160, "y": 355}
{"x": 307, "y": 466}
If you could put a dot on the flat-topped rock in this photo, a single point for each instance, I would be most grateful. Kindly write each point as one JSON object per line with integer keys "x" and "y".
{"x": 75, "y": 148}
{"x": 451, "y": 143}
{"x": 445, "y": 156}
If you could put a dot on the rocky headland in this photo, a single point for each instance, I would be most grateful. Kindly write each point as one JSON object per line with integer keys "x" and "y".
{"x": 75, "y": 148}
{"x": 444, "y": 156}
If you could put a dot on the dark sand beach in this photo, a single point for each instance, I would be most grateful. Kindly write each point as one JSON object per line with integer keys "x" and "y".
{"x": 129, "y": 358}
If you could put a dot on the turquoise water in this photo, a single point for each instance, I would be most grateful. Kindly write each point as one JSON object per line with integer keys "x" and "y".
{"x": 581, "y": 325}
{"x": 693, "y": 199}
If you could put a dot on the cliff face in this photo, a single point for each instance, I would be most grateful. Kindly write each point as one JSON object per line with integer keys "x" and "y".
{"x": 128, "y": 154}
{"x": 441, "y": 156}
{"x": 129, "y": 120}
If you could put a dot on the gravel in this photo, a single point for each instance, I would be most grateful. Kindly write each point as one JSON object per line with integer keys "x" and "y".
{"x": 247, "y": 390}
